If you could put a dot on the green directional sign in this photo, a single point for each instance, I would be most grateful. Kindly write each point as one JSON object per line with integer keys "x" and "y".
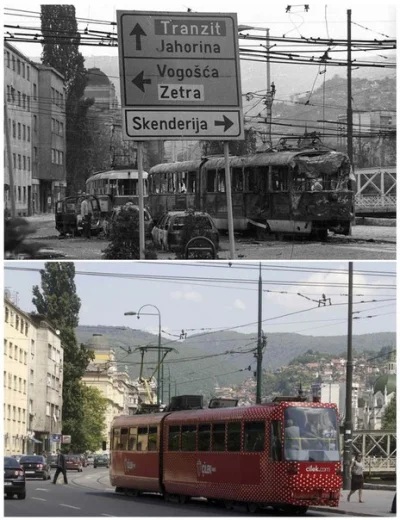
{"x": 180, "y": 62}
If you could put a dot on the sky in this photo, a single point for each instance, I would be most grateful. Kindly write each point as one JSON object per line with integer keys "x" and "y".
{"x": 371, "y": 20}
{"x": 195, "y": 296}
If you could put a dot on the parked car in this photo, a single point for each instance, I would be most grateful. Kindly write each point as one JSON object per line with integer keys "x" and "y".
{"x": 90, "y": 460}
{"x": 69, "y": 218}
{"x": 17, "y": 456}
{"x": 169, "y": 233}
{"x": 129, "y": 206}
{"x": 36, "y": 466}
{"x": 14, "y": 478}
{"x": 52, "y": 461}
{"x": 101, "y": 461}
{"x": 74, "y": 462}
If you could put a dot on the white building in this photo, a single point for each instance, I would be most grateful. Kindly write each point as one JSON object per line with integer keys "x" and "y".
{"x": 32, "y": 381}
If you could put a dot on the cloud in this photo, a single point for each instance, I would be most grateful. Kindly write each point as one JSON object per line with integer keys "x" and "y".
{"x": 238, "y": 304}
{"x": 190, "y": 296}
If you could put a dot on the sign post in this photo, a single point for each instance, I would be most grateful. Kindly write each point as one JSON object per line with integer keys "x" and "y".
{"x": 180, "y": 78}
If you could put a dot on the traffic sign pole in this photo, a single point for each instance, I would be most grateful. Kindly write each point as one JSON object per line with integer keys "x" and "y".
{"x": 229, "y": 202}
{"x": 141, "y": 205}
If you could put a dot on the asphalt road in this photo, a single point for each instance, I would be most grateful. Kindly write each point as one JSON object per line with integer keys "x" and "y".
{"x": 366, "y": 243}
{"x": 89, "y": 494}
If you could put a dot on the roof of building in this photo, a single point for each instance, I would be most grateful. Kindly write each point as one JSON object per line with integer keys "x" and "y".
{"x": 96, "y": 76}
{"x": 98, "y": 342}
{"x": 385, "y": 380}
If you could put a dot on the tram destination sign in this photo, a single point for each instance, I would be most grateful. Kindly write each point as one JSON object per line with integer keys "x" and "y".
{"x": 184, "y": 65}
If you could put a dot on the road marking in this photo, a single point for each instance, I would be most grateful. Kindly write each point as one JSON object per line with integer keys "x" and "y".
{"x": 42, "y": 489}
{"x": 36, "y": 498}
{"x": 72, "y": 507}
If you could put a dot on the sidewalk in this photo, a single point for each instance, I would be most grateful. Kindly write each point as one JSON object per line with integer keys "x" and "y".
{"x": 376, "y": 503}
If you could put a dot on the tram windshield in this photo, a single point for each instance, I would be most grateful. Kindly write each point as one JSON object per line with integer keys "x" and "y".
{"x": 311, "y": 434}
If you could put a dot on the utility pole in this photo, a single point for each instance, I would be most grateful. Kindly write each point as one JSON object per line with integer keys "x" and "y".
{"x": 260, "y": 341}
{"x": 349, "y": 100}
{"x": 269, "y": 100}
{"x": 348, "y": 422}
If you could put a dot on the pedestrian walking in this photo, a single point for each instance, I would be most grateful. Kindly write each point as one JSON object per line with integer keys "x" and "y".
{"x": 86, "y": 217}
{"x": 61, "y": 467}
{"x": 357, "y": 477}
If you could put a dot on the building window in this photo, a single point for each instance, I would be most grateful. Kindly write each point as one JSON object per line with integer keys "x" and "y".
{"x": 49, "y": 350}
{"x": 28, "y": 72}
{"x": 28, "y": 103}
{"x": 19, "y": 98}
{"x": 28, "y": 129}
{"x": 16, "y": 321}
{"x": 35, "y": 123}
{"x": 23, "y": 69}
{"x": 15, "y": 384}
{"x": 18, "y": 66}
{"x": 24, "y": 101}
{"x": 9, "y": 380}
{"x": 8, "y": 59}
{"x": 24, "y": 132}
{"x": 7, "y": 315}
{"x": 29, "y": 164}
{"x": 48, "y": 409}
{"x": 14, "y": 129}
{"x": 16, "y": 352}
{"x": 19, "y": 168}
{"x": 19, "y": 130}
{"x": 13, "y": 62}
{"x": 34, "y": 91}
{"x": 24, "y": 168}
{"x": 14, "y": 160}
{"x": 26, "y": 323}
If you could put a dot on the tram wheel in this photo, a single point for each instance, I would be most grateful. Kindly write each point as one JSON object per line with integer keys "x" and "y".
{"x": 302, "y": 510}
{"x": 229, "y": 504}
{"x": 263, "y": 233}
{"x": 182, "y": 499}
{"x": 252, "y": 507}
{"x": 132, "y": 492}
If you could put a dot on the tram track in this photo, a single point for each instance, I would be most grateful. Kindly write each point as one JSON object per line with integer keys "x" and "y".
{"x": 77, "y": 481}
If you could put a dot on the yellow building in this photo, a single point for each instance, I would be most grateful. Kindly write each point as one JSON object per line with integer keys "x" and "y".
{"x": 116, "y": 387}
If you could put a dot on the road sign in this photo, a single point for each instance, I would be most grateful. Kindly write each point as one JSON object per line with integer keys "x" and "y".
{"x": 185, "y": 65}
{"x": 190, "y": 124}
{"x": 66, "y": 439}
{"x": 55, "y": 437}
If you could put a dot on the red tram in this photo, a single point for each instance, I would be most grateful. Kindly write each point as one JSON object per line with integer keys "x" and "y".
{"x": 283, "y": 454}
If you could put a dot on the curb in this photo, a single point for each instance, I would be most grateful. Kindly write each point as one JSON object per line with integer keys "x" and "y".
{"x": 344, "y": 512}
{"x": 373, "y": 221}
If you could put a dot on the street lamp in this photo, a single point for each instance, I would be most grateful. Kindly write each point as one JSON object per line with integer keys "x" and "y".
{"x": 159, "y": 342}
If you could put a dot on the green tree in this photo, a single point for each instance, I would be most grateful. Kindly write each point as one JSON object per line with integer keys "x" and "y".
{"x": 59, "y": 302}
{"x": 61, "y": 41}
{"x": 88, "y": 432}
{"x": 389, "y": 416}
